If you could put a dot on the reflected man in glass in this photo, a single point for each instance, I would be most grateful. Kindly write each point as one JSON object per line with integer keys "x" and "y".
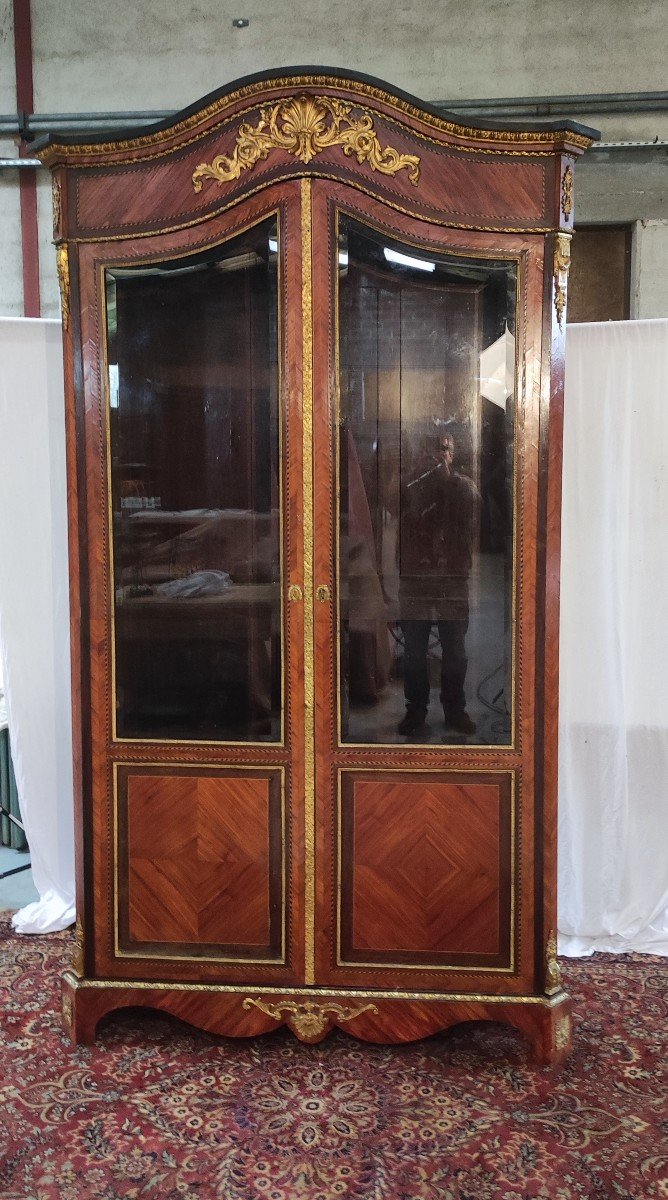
{"x": 439, "y": 524}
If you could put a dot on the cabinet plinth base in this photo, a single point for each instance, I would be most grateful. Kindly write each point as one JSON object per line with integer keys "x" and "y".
{"x": 311, "y": 1014}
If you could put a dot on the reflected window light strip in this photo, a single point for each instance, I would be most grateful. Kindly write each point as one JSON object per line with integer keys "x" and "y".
{"x": 404, "y": 260}
{"x": 113, "y": 385}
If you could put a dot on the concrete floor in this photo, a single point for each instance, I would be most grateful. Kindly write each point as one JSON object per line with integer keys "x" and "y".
{"x": 15, "y": 890}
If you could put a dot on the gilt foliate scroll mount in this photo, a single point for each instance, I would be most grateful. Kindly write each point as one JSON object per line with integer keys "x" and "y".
{"x": 562, "y": 262}
{"x": 305, "y": 126}
{"x": 552, "y": 968}
{"x": 309, "y": 1020}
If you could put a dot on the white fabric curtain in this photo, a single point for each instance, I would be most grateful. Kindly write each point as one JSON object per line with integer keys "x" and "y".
{"x": 34, "y": 609}
{"x": 614, "y": 662}
{"x": 613, "y": 761}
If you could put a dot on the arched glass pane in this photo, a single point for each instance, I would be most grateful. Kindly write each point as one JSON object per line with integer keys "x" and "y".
{"x": 195, "y": 493}
{"x": 426, "y": 488}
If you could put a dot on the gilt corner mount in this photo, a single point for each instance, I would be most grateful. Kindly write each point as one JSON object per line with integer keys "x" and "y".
{"x": 305, "y": 126}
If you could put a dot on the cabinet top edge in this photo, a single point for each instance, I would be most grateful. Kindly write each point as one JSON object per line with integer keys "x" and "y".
{"x": 555, "y": 137}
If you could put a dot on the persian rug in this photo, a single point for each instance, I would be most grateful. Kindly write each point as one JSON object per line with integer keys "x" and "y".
{"x": 158, "y": 1111}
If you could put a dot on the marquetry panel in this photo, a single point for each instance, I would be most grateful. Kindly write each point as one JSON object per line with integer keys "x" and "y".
{"x": 440, "y": 196}
{"x": 425, "y": 868}
{"x": 201, "y": 862}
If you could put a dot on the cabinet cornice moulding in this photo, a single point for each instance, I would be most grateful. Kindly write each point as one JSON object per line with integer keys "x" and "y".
{"x": 219, "y": 107}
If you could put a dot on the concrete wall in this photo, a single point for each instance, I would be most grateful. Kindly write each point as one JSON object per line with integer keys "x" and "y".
{"x": 154, "y": 55}
{"x": 649, "y": 270}
{"x": 160, "y": 55}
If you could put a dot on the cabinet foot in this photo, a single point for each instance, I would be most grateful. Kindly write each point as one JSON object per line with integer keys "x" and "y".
{"x": 370, "y": 1016}
{"x": 549, "y": 1030}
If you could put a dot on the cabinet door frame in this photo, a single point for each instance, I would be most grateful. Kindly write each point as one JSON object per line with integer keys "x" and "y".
{"x": 103, "y": 753}
{"x": 333, "y": 758}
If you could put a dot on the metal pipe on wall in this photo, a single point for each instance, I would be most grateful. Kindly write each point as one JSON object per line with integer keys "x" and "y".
{"x": 30, "y": 125}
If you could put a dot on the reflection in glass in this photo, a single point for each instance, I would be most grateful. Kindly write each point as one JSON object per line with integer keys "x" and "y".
{"x": 194, "y": 428}
{"x": 426, "y": 450}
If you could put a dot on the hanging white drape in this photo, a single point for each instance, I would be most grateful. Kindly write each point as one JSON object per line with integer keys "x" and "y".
{"x": 613, "y": 759}
{"x": 34, "y": 609}
{"x": 613, "y": 851}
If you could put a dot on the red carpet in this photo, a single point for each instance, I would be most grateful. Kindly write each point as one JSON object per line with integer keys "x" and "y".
{"x": 160, "y": 1112}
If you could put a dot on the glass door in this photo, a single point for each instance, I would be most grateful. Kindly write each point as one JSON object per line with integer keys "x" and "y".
{"x": 425, "y": 480}
{"x": 202, "y": 588}
{"x": 195, "y": 441}
{"x": 416, "y": 598}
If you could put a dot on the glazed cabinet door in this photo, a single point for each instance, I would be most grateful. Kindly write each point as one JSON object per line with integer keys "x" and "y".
{"x": 194, "y": 588}
{"x": 425, "y": 461}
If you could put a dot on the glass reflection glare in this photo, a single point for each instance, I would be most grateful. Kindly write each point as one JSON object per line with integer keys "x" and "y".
{"x": 426, "y": 468}
{"x": 195, "y": 478}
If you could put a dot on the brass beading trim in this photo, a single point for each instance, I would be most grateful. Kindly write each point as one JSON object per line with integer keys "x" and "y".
{"x": 230, "y": 989}
{"x": 307, "y": 523}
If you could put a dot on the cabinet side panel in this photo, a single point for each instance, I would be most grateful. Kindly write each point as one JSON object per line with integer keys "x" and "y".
{"x": 77, "y": 554}
{"x": 555, "y": 275}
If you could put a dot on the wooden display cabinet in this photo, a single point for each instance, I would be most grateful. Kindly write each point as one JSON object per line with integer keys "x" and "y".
{"x": 314, "y": 339}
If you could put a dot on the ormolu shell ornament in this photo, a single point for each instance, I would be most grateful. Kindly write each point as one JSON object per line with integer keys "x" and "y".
{"x": 305, "y": 126}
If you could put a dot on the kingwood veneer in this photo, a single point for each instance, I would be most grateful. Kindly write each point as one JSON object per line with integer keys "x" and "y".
{"x": 254, "y": 386}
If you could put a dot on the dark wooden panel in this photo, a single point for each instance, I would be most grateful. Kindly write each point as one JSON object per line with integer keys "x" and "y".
{"x": 425, "y": 869}
{"x": 202, "y": 862}
{"x": 599, "y": 288}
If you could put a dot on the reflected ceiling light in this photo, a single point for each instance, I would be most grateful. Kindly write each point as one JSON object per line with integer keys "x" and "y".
{"x": 343, "y": 258}
{"x": 239, "y": 262}
{"x": 113, "y": 385}
{"x": 273, "y": 246}
{"x": 405, "y": 261}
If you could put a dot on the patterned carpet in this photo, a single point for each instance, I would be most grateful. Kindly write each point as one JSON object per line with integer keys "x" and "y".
{"x": 156, "y": 1110}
